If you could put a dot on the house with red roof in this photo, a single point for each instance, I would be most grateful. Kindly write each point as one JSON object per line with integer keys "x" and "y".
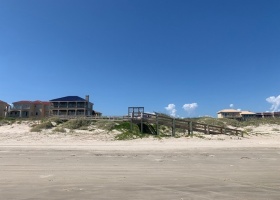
{"x": 29, "y": 109}
{"x": 3, "y": 108}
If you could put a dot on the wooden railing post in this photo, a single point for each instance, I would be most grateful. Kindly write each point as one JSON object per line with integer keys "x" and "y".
{"x": 157, "y": 124}
{"x": 141, "y": 125}
{"x": 191, "y": 128}
{"x": 173, "y": 127}
{"x": 131, "y": 124}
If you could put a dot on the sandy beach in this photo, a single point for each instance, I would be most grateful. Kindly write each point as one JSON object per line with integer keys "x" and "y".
{"x": 92, "y": 165}
{"x": 20, "y": 135}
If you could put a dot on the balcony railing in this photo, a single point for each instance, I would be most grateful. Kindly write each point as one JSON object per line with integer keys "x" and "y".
{"x": 69, "y": 106}
{"x": 19, "y": 108}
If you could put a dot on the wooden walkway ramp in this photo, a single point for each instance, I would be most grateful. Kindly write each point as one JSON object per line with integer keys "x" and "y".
{"x": 183, "y": 124}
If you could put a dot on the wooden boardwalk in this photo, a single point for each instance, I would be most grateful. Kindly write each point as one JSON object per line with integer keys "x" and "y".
{"x": 182, "y": 124}
{"x": 148, "y": 119}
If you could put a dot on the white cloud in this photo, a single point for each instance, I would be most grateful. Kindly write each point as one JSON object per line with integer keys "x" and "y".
{"x": 275, "y": 101}
{"x": 190, "y": 107}
{"x": 171, "y": 109}
{"x": 239, "y": 109}
{"x": 231, "y": 105}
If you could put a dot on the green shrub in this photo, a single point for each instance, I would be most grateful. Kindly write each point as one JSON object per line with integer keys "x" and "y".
{"x": 56, "y": 120}
{"x": 127, "y": 133}
{"x": 125, "y": 126}
{"x": 40, "y": 127}
{"x": 106, "y": 125}
{"x": 59, "y": 130}
{"x": 76, "y": 123}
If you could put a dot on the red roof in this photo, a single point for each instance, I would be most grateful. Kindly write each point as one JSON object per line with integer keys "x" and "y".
{"x": 22, "y": 102}
{"x": 3, "y": 102}
{"x": 32, "y": 102}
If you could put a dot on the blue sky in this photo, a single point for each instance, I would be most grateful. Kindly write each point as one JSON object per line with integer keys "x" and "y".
{"x": 165, "y": 55}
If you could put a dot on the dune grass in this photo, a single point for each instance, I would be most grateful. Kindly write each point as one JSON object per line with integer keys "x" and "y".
{"x": 40, "y": 127}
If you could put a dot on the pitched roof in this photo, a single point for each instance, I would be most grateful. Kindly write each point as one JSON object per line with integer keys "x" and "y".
{"x": 3, "y": 102}
{"x": 23, "y": 101}
{"x": 41, "y": 102}
{"x": 69, "y": 98}
{"x": 229, "y": 111}
{"x": 247, "y": 113}
{"x": 32, "y": 102}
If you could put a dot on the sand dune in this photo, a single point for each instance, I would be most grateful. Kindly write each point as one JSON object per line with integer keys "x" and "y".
{"x": 19, "y": 134}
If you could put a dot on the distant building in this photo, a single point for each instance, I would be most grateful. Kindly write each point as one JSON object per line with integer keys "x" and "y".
{"x": 71, "y": 106}
{"x": 268, "y": 114}
{"x": 244, "y": 115}
{"x": 29, "y": 109}
{"x": 247, "y": 115}
{"x": 3, "y": 108}
{"x": 229, "y": 113}
{"x": 96, "y": 113}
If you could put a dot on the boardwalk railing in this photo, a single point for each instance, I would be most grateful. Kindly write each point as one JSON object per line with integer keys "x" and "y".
{"x": 185, "y": 124}
{"x": 159, "y": 119}
{"x": 113, "y": 118}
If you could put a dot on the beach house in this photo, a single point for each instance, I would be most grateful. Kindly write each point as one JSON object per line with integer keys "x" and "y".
{"x": 268, "y": 114}
{"x": 71, "y": 106}
{"x": 245, "y": 115}
{"x": 229, "y": 113}
{"x": 3, "y": 108}
{"x": 27, "y": 109}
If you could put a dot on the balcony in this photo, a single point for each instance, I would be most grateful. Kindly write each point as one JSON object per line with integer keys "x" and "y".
{"x": 68, "y": 105}
{"x": 19, "y": 108}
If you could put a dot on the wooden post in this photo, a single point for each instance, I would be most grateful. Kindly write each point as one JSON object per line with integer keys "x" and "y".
{"x": 141, "y": 125}
{"x": 173, "y": 127}
{"x": 157, "y": 124}
{"x": 131, "y": 124}
{"x": 205, "y": 130}
{"x": 191, "y": 128}
{"x": 208, "y": 131}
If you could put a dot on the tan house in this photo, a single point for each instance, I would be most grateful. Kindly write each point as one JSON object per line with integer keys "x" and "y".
{"x": 229, "y": 113}
{"x": 3, "y": 108}
{"x": 27, "y": 109}
{"x": 71, "y": 106}
{"x": 235, "y": 114}
{"x": 247, "y": 115}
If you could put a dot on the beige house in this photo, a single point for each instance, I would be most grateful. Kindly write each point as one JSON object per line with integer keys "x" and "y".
{"x": 29, "y": 109}
{"x": 3, "y": 108}
{"x": 71, "y": 106}
{"x": 247, "y": 115}
{"x": 229, "y": 113}
{"x": 235, "y": 114}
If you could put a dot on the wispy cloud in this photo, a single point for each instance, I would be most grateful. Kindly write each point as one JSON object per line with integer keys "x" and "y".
{"x": 171, "y": 109}
{"x": 231, "y": 105}
{"x": 275, "y": 101}
{"x": 190, "y": 107}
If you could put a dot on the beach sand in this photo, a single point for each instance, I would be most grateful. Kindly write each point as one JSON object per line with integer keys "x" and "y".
{"x": 20, "y": 135}
{"x": 92, "y": 165}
